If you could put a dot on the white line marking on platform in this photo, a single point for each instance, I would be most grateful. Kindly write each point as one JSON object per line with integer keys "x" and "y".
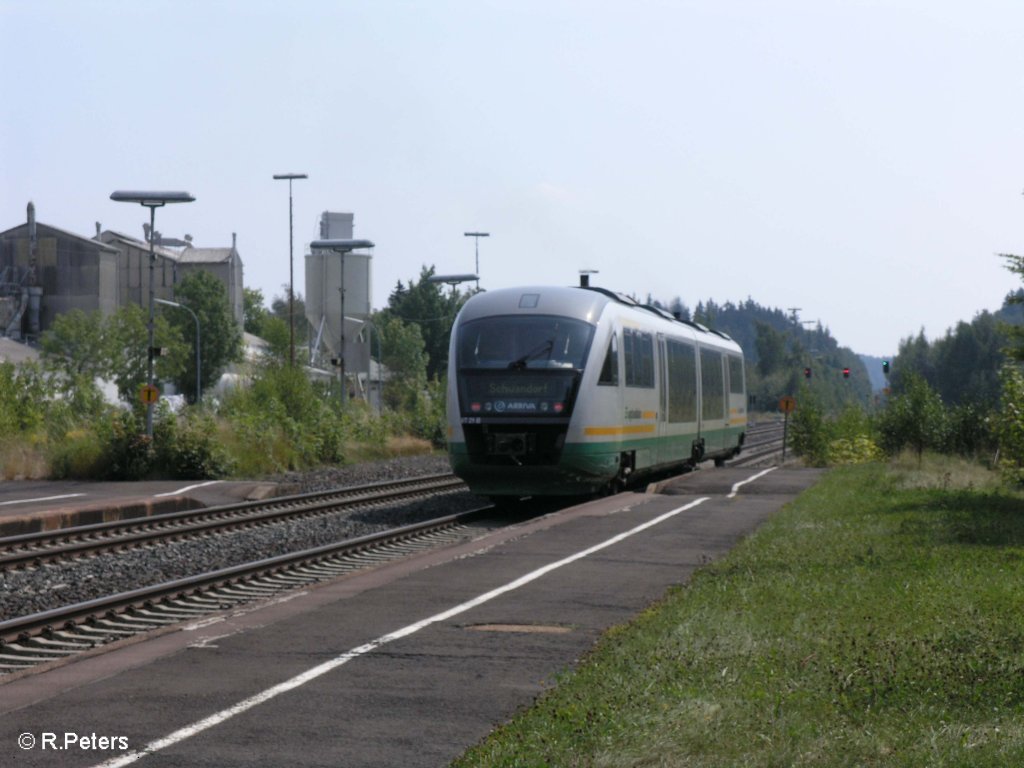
{"x": 226, "y": 714}
{"x": 41, "y": 498}
{"x": 736, "y": 486}
{"x": 186, "y": 489}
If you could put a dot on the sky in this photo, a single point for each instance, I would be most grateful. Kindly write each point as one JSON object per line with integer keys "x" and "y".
{"x": 861, "y": 160}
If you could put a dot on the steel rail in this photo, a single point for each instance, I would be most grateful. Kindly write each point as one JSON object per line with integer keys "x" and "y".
{"x": 35, "y": 549}
{"x": 768, "y": 442}
{"x": 68, "y": 617}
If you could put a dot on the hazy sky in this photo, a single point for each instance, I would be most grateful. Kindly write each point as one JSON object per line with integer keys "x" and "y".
{"x": 859, "y": 159}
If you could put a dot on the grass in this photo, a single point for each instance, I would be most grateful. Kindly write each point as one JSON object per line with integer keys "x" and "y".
{"x": 875, "y": 621}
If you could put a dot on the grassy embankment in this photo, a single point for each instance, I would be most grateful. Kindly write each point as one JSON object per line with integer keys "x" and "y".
{"x": 876, "y": 621}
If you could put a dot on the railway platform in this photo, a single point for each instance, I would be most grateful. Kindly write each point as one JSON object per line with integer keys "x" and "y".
{"x": 407, "y": 663}
{"x": 27, "y": 506}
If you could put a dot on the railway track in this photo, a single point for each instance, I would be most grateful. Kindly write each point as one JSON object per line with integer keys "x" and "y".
{"x": 36, "y": 549}
{"x": 763, "y": 445}
{"x": 28, "y": 641}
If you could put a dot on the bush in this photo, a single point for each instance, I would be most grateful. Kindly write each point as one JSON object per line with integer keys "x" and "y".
{"x": 810, "y": 432}
{"x": 428, "y": 420}
{"x": 187, "y": 447}
{"x": 970, "y": 431}
{"x": 78, "y": 456}
{"x": 916, "y": 419}
{"x": 857, "y": 450}
{"x": 127, "y": 451}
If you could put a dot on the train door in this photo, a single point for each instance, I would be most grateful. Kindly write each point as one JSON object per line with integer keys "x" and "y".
{"x": 714, "y": 400}
{"x": 680, "y": 400}
{"x": 664, "y": 452}
{"x": 737, "y": 398}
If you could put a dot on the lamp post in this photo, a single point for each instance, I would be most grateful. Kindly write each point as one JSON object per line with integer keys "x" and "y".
{"x": 341, "y": 247}
{"x": 476, "y": 237}
{"x": 291, "y": 264}
{"x": 199, "y": 378}
{"x": 151, "y": 200}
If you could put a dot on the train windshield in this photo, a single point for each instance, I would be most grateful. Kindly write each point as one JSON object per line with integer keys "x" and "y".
{"x": 526, "y": 366}
{"x": 524, "y": 343}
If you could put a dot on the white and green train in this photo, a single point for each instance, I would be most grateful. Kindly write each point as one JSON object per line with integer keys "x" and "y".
{"x": 571, "y": 391}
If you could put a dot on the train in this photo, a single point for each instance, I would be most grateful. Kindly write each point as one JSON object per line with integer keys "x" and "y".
{"x": 581, "y": 391}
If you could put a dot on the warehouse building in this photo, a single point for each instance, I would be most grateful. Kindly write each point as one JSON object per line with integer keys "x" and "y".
{"x": 46, "y": 271}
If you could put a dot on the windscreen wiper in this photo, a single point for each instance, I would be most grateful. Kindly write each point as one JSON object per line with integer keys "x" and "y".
{"x": 545, "y": 347}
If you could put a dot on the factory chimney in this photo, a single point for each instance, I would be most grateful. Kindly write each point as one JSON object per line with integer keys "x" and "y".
{"x": 33, "y": 292}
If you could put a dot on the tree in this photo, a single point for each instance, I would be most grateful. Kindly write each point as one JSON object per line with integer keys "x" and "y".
{"x": 220, "y": 335}
{"x": 915, "y": 418}
{"x": 771, "y": 348}
{"x": 1010, "y": 425}
{"x": 84, "y": 347}
{"x": 277, "y": 334}
{"x": 76, "y": 345}
{"x": 254, "y": 312}
{"x": 426, "y": 305}
{"x": 128, "y": 344}
{"x": 1016, "y": 332}
{"x": 405, "y": 358}
{"x": 279, "y": 308}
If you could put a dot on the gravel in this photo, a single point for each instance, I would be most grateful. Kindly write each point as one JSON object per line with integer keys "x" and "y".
{"x": 53, "y": 586}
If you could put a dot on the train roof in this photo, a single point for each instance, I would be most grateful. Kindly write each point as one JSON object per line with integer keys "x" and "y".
{"x": 586, "y": 303}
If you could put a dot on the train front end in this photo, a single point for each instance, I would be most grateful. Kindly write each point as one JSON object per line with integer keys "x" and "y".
{"x": 516, "y": 362}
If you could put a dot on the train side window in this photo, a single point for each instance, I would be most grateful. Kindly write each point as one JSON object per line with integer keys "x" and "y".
{"x": 682, "y": 382}
{"x": 639, "y": 353}
{"x": 735, "y": 375}
{"x": 610, "y": 369}
{"x": 712, "y": 384}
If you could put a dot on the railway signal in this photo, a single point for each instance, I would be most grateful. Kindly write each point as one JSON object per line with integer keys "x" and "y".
{"x": 807, "y": 373}
{"x": 885, "y": 367}
{"x": 846, "y": 373}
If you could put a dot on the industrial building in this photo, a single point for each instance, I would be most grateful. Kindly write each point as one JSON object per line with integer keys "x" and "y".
{"x": 46, "y": 271}
{"x": 338, "y": 296}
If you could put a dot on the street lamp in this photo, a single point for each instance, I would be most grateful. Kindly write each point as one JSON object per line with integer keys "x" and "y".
{"x": 199, "y": 386}
{"x": 341, "y": 247}
{"x": 452, "y": 280}
{"x": 291, "y": 264}
{"x": 151, "y": 200}
{"x": 476, "y": 237}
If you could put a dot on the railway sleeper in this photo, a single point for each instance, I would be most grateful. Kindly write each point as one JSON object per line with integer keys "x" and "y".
{"x": 56, "y": 645}
{"x": 36, "y": 653}
{"x": 161, "y": 616}
{"x": 76, "y": 636}
{"x": 14, "y": 663}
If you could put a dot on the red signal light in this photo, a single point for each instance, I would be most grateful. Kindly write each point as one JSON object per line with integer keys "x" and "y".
{"x": 846, "y": 373}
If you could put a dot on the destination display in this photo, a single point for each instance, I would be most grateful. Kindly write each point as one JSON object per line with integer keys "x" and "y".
{"x": 504, "y": 395}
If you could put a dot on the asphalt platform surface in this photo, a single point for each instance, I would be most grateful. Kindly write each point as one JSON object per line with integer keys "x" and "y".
{"x": 406, "y": 664}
